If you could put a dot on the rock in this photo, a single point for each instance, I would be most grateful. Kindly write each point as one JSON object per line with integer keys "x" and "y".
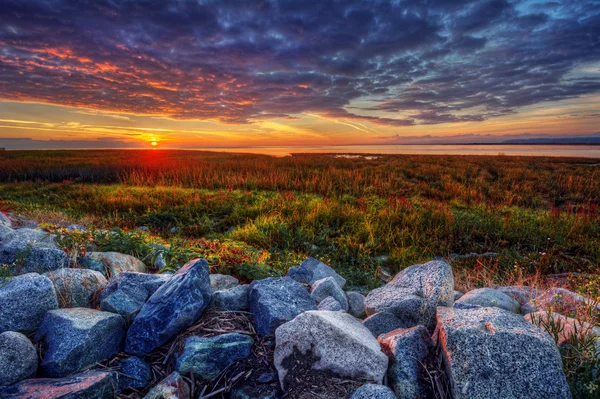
{"x": 75, "y": 288}
{"x": 220, "y": 282}
{"x": 24, "y": 300}
{"x": 118, "y": 263}
{"x": 487, "y": 297}
{"x": 77, "y": 227}
{"x": 33, "y": 258}
{"x": 18, "y": 358}
{"x": 85, "y": 262}
{"x": 74, "y": 339}
{"x": 232, "y": 299}
{"x": 172, "y": 387}
{"x": 330, "y": 303}
{"x": 494, "y": 353}
{"x": 567, "y": 326}
{"x": 25, "y": 237}
{"x": 414, "y": 293}
{"x": 356, "y": 304}
{"x": 208, "y": 357}
{"x": 135, "y": 373}
{"x": 4, "y": 220}
{"x": 327, "y": 286}
{"x": 273, "y": 301}
{"x": 563, "y": 301}
{"x": 407, "y": 350}
{"x": 5, "y": 231}
{"x": 175, "y": 306}
{"x": 373, "y": 391}
{"x": 88, "y": 385}
{"x": 336, "y": 341}
{"x": 159, "y": 262}
{"x": 523, "y": 294}
{"x": 312, "y": 270}
{"x": 457, "y": 295}
{"x": 384, "y": 322}
{"x": 127, "y": 292}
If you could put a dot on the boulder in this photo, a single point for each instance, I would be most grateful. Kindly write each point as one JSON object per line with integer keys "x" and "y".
{"x": 4, "y": 220}
{"x": 232, "y": 299}
{"x": 488, "y": 297}
{"x": 457, "y": 295}
{"x": 563, "y": 301}
{"x": 75, "y": 288}
{"x": 208, "y": 357}
{"x": 522, "y": 294}
{"x": 383, "y": 322}
{"x": 73, "y": 339}
{"x": 134, "y": 373}
{"x": 356, "y": 304}
{"x": 312, "y": 270}
{"x": 118, "y": 263}
{"x": 85, "y": 262}
{"x": 334, "y": 341}
{"x": 566, "y": 326}
{"x": 220, "y": 282}
{"x": 273, "y": 301}
{"x": 24, "y": 300}
{"x": 373, "y": 391}
{"x": 18, "y": 358}
{"x": 127, "y": 292}
{"x": 326, "y": 287}
{"x": 330, "y": 303}
{"x": 414, "y": 293}
{"x": 25, "y": 237}
{"x": 172, "y": 387}
{"x": 88, "y": 385}
{"x": 34, "y": 258}
{"x": 407, "y": 350}
{"x": 494, "y": 353}
{"x": 175, "y": 306}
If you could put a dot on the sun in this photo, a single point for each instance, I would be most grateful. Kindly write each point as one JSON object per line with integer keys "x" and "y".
{"x": 154, "y": 144}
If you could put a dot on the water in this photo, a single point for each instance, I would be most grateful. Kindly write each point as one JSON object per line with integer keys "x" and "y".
{"x": 577, "y": 151}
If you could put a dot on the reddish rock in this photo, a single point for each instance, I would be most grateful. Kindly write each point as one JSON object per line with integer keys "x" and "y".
{"x": 89, "y": 385}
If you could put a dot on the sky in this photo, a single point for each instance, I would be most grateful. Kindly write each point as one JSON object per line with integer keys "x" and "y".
{"x": 206, "y": 73}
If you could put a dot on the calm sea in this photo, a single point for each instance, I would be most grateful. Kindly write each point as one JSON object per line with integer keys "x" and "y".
{"x": 585, "y": 151}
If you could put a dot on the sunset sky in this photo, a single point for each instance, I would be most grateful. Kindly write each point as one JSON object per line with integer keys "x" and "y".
{"x": 115, "y": 73}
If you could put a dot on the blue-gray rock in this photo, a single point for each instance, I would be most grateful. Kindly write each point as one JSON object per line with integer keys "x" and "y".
{"x": 24, "y": 300}
{"x": 407, "y": 350}
{"x": 127, "y": 292}
{"x": 415, "y": 293}
{"x": 356, "y": 304}
{"x": 18, "y": 358}
{"x": 273, "y": 301}
{"x": 488, "y": 297}
{"x": 526, "y": 296}
{"x": 312, "y": 270}
{"x": 117, "y": 262}
{"x": 172, "y": 387}
{"x": 33, "y": 258}
{"x": 231, "y": 299}
{"x": 494, "y": 353}
{"x": 4, "y": 220}
{"x": 77, "y": 227}
{"x": 326, "y": 287}
{"x": 330, "y": 303}
{"x": 74, "y": 339}
{"x": 457, "y": 295}
{"x": 134, "y": 373}
{"x": 463, "y": 305}
{"x": 96, "y": 265}
{"x": 175, "y": 306}
{"x": 88, "y": 385}
{"x": 75, "y": 288}
{"x": 220, "y": 282}
{"x": 208, "y": 357}
{"x": 373, "y": 391}
{"x": 384, "y": 322}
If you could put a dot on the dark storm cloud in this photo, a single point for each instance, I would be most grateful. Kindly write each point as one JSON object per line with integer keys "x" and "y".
{"x": 241, "y": 61}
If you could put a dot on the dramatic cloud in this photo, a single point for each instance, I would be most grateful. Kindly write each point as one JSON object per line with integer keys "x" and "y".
{"x": 394, "y": 63}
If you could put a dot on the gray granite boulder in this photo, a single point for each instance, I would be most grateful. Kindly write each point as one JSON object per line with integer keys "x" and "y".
{"x": 457, "y": 295}
{"x": 127, "y": 292}
{"x": 208, "y": 357}
{"x": 356, "y": 304}
{"x": 562, "y": 301}
{"x": 24, "y": 300}
{"x": 488, "y": 297}
{"x": 494, "y": 353}
{"x": 335, "y": 341}
{"x": 330, "y": 303}
{"x": 32, "y": 258}
{"x": 85, "y": 262}
{"x": 74, "y": 339}
{"x": 175, "y": 306}
{"x": 384, "y": 322}
{"x": 18, "y": 358}
{"x": 75, "y": 288}
{"x": 415, "y": 293}
{"x": 525, "y": 295}
{"x": 219, "y": 282}
{"x": 172, "y": 387}
{"x": 407, "y": 350}
{"x": 373, "y": 391}
{"x": 312, "y": 270}
{"x": 4, "y": 220}
{"x": 328, "y": 286}
{"x": 232, "y": 299}
{"x": 273, "y": 301}
{"x": 134, "y": 373}
{"x": 118, "y": 263}
{"x": 88, "y": 385}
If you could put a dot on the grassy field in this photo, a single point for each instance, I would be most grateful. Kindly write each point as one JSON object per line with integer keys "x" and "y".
{"x": 262, "y": 214}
